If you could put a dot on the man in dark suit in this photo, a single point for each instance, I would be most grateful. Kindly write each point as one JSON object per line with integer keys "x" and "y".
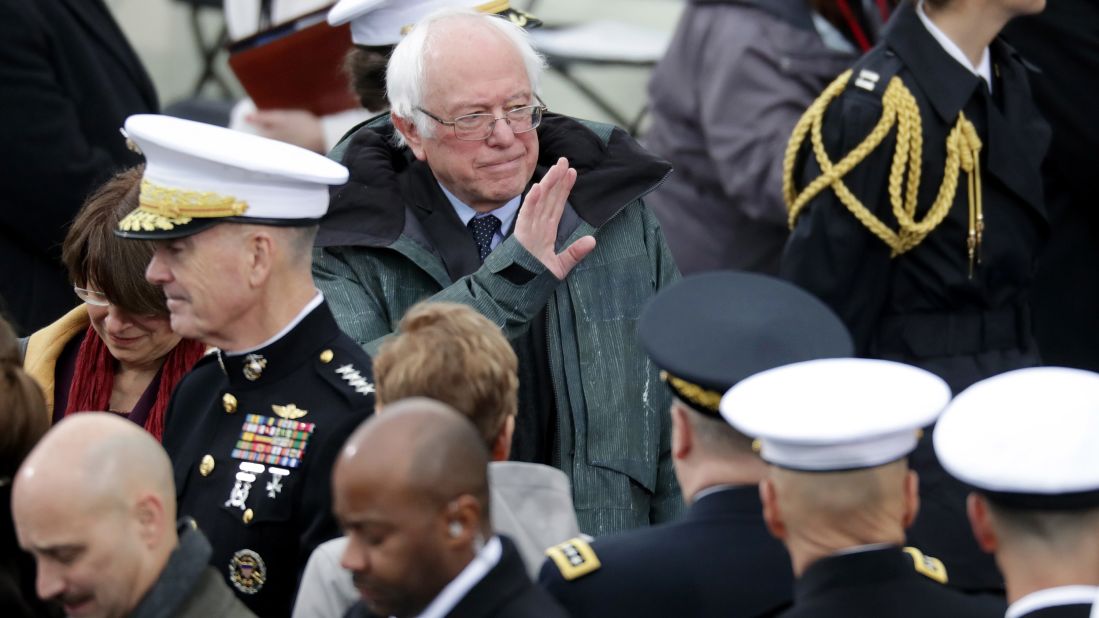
{"x": 411, "y": 491}
{"x": 706, "y": 332}
{"x": 254, "y": 428}
{"x": 1025, "y": 441}
{"x": 839, "y": 493}
{"x": 70, "y": 79}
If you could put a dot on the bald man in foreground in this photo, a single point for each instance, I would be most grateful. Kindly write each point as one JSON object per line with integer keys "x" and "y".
{"x": 411, "y": 491}
{"x": 94, "y": 503}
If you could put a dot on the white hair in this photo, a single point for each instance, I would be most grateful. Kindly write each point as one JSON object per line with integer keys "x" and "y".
{"x": 405, "y": 74}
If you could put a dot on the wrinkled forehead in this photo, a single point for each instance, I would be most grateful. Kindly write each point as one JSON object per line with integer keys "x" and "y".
{"x": 483, "y": 63}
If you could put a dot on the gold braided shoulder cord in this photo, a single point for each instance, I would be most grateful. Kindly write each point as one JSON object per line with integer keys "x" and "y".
{"x": 899, "y": 109}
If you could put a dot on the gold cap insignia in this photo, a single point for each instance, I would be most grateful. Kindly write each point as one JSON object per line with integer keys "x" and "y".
{"x": 574, "y": 558}
{"x": 163, "y": 208}
{"x": 229, "y": 402}
{"x": 254, "y": 364}
{"x": 206, "y": 466}
{"x": 247, "y": 571}
{"x": 290, "y": 411}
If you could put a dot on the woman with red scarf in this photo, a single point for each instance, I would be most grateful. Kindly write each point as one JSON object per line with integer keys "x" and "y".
{"x": 115, "y": 352}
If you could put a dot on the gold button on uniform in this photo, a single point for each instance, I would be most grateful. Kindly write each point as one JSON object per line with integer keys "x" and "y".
{"x": 229, "y": 402}
{"x": 248, "y": 515}
{"x": 206, "y": 466}
{"x": 327, "y": 356}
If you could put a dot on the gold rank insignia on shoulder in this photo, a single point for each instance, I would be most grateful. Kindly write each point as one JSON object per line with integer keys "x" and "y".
{"x": 929, "y": 567}
{"x": 289, "y": 411}
{"x": 575, "y": 558}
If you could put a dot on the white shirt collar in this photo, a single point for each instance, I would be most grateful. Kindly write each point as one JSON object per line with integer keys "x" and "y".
{"x": 1052, "y": 597}
{"x": 505, "y": 213}
{"x": 983, "y": 68}
{"x": 459, "y": 587}
{"x": 310, "y": 306}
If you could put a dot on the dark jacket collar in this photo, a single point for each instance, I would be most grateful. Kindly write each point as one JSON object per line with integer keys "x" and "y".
{"x": 284, "y": 356}
{"x": 947, "y": 84}
{"x": 507, "y": 580}
{"x": 177, "y": 581}
{"x": 859, "y": 569}
{"x": 371, "y": 209}
{"x": 725, "y": 502}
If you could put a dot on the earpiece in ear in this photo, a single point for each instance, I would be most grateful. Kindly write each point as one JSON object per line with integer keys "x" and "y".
{"x": 455, "y": 529}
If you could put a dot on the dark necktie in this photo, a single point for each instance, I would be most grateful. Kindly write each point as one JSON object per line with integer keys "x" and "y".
{"x": 483, "y": 229}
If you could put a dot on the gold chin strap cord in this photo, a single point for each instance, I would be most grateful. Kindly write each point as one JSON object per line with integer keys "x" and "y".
{"x": 899, "y": 109}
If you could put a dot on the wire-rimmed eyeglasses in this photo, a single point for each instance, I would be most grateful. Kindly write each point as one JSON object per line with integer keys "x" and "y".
{"x": 476, "y": 127}
{"x": 93, "y": 298}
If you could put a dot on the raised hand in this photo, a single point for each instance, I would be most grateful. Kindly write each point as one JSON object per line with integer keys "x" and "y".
{"x": 536, "y": 225}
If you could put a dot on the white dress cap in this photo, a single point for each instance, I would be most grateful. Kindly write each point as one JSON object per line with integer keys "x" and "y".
{"x": 835, "y": 414}
{"x": 197, "y": 175}
{"x": 1030, "y": 435}
{"x": 385, "y": 22}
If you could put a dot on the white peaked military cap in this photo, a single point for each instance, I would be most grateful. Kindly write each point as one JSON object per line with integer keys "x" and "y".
{"x": 835, "y": 414}
{"x": 1027, "y": 438}
{"x": 198, "y": 175}
{"x": 385, "y": 22}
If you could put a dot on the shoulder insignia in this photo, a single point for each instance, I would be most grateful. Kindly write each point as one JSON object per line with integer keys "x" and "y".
{"x": 575, "y": 558}
{"x": 929, "y": 567}
{"x": 352, "y": 376}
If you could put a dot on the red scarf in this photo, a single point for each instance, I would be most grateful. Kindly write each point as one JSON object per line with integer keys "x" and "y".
{"x": 94, "y": 378}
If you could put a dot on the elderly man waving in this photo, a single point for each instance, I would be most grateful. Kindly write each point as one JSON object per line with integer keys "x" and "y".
{"x": 492, "y": 202}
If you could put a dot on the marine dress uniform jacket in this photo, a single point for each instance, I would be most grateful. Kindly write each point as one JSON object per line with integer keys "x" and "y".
{"x": 252, "y": 440}
{"x": 69, "y": 80}
{"x": 881, "y": 582}
{"x": 922, "y": 307}
{"x": 391, "y": 239}
{"x": 717, "y": 560}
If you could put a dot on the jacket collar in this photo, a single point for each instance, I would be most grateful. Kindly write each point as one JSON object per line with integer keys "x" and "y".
{"x": 181, "y": 574}
{"x": 947, "y": 84}
{"x": 370, "y": 210}
{"x": 858, "y": 569}
{"x": 507, "y": 580}
{"x": 722, "y": 503}
{"x": 270, "y": 364}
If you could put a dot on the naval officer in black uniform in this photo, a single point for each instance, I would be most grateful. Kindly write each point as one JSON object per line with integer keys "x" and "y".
{"x": 254, "y": 429}
{"x": 1025, "y": 440}
{"x": 839, "y": 493}
{"x": 706, "y": 332}
{"x": 928, "y": 246}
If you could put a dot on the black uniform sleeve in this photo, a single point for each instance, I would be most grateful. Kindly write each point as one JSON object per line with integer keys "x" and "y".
{"x": 830, "y": 253}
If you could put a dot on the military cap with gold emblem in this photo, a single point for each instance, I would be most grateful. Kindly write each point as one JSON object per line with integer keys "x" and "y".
{"x": 709, "y": 331}
{"x": 198, "y": 175}
{"x": 836, "y": 414}
{"x": 385, "y": 22}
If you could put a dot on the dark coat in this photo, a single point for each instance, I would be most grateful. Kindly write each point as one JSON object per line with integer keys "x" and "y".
{"x": 70, "y": 79}
{"x": 189, "y": 587}
{"x": 504, "y": 592}
{"x": 922, "y": 307}
{"x": 262, "y": 538}
{"x": 1066, "y": 290}
{"x": 1077, "y": 610}
{"x": 881, "y": 582}
{"x": 718, "y": 560}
